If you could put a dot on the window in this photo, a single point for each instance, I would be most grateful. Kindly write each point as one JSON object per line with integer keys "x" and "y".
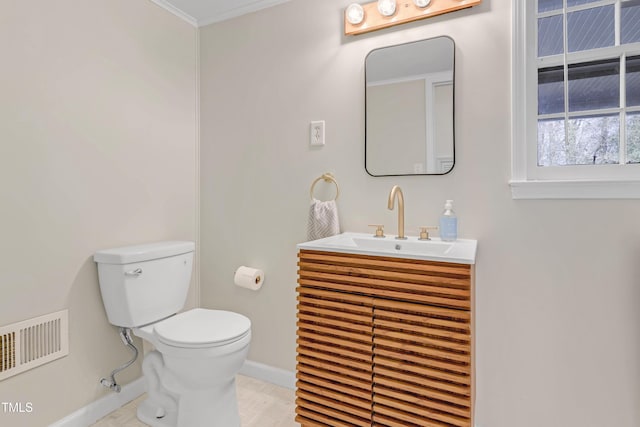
{"x": 576, "y": 99}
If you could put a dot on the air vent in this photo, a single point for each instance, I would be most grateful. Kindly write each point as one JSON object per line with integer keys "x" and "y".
{"x": 34, "y": 342}
{"x": 7, "y": 351}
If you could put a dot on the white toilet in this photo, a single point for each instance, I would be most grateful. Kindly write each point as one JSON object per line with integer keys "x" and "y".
{"x": 191, "y": 375}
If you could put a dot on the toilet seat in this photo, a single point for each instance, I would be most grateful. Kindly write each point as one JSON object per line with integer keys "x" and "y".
{"x": 201, "y": 328}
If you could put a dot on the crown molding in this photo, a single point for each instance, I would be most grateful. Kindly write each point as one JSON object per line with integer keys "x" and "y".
{"x": 219, "y": 17}
{"x": 242, "y": 10}
{"x": 177, "y": 12}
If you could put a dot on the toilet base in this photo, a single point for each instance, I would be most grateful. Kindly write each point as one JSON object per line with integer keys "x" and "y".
{"x": 147, "y": 414}
{"x": 211, "y": 408}
{"x": 224, "y": 413}
{"x": 210, "y": 403}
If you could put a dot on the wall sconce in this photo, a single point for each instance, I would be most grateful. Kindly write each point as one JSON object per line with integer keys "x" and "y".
{"x": 386, "y": 13}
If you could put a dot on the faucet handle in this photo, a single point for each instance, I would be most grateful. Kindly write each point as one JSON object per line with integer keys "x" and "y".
{"x": 424, "y": 234}
{"x": 379, "y": 230}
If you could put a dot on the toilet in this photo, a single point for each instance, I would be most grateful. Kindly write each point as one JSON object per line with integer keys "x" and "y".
{"x": 190, "y": 376}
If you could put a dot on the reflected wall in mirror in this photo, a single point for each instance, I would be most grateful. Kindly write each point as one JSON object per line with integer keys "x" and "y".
{"x": 409, "y": 108}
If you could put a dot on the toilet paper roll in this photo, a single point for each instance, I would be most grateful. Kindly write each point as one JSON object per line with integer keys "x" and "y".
{"x": 250, "y": 278}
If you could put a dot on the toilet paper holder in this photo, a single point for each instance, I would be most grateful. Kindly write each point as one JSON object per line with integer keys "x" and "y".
{"x": 248, "y": 277}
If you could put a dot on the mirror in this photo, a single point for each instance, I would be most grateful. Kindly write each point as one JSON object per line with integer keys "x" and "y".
{"x": 409, "y": 108}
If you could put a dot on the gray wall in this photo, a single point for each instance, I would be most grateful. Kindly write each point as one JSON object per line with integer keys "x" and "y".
{"x": 98, "y": 149}
{"x": 558, "y": 288}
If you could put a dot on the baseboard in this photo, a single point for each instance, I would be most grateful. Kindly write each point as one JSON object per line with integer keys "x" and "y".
{"x": 103, "y": 406}
{"x": 269, "y": 374}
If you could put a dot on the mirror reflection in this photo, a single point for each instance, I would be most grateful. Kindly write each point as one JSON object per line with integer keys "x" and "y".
{"x": 409, "y": 108}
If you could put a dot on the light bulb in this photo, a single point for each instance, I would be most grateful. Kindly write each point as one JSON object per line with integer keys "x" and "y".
{"x": 387, "y": 7}
{"x": 421, "y": 3}
{"x": 355, "y": 14}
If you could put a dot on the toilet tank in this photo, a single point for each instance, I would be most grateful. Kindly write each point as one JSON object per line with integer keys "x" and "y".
{"x": 144, "y": 283}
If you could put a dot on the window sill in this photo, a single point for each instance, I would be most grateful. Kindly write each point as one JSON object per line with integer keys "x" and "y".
{"x": 621, "y": 189}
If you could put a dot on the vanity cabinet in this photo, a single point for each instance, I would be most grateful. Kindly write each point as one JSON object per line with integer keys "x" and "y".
{"x": 383, "y": 341}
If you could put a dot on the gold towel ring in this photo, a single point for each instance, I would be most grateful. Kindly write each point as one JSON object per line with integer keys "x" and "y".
{"x": 327, "y": 178}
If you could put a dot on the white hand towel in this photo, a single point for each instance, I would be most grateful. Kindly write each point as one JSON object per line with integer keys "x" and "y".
{"x": 323, "y": 219}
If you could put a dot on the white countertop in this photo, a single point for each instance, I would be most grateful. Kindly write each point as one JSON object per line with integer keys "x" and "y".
{"x": 462, "y": 251}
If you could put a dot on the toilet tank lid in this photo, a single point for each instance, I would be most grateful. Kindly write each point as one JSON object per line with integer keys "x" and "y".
{"x": 146, "y": 252}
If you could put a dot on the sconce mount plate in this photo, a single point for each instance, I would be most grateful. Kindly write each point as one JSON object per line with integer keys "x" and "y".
{"x": 406, "y": 11}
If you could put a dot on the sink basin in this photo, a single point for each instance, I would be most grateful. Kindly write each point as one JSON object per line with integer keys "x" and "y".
{"x": 431, "y": 247}
{"x": 461, "y": 251}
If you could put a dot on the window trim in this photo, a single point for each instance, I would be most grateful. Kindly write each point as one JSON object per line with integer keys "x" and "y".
{"x": 599, "y": 184}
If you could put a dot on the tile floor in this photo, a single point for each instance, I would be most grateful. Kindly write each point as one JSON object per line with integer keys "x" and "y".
{"x": 261, "y": 405}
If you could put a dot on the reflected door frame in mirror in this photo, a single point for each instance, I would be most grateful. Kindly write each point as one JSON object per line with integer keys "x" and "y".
{"x": 409, "y": 108}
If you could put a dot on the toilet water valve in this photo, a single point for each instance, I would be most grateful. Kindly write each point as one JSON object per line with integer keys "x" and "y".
{"x": 125, "y": 336}
{"x": 110, "y": 385}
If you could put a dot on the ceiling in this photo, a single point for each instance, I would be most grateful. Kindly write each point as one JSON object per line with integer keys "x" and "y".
{"x": 205, "y": 12}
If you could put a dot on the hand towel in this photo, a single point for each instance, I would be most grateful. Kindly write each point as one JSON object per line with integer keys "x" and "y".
{"x": 323, "y": 219}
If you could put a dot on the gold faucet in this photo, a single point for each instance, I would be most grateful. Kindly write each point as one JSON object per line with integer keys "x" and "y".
{"x": 392, "y": 196}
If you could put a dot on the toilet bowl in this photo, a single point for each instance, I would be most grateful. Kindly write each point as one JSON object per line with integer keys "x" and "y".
{"x": 191, "y": 373}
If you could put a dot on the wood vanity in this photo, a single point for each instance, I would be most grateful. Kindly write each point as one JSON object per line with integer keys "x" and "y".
{"x": 383, "y": 341}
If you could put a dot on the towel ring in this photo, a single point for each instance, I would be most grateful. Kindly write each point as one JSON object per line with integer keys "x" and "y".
{"x": 327, "y": 177}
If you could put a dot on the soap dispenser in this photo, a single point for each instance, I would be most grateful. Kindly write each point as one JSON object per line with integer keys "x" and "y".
{"x": 448, "y": 223}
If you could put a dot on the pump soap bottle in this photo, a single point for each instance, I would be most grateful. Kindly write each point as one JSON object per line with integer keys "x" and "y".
{"x": 448, "y": 223}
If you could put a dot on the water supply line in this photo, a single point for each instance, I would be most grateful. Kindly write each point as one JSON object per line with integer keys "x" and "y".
{"x": 110, "y": 383}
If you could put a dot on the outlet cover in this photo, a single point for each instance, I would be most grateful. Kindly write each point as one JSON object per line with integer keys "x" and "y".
{"x": 316, "y": 133}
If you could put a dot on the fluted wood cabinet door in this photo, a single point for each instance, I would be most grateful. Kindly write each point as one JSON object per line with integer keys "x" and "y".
{"x": 335, "y": 344}
{"x": 421, "y": 365}
{"x": 383, "y": 341}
